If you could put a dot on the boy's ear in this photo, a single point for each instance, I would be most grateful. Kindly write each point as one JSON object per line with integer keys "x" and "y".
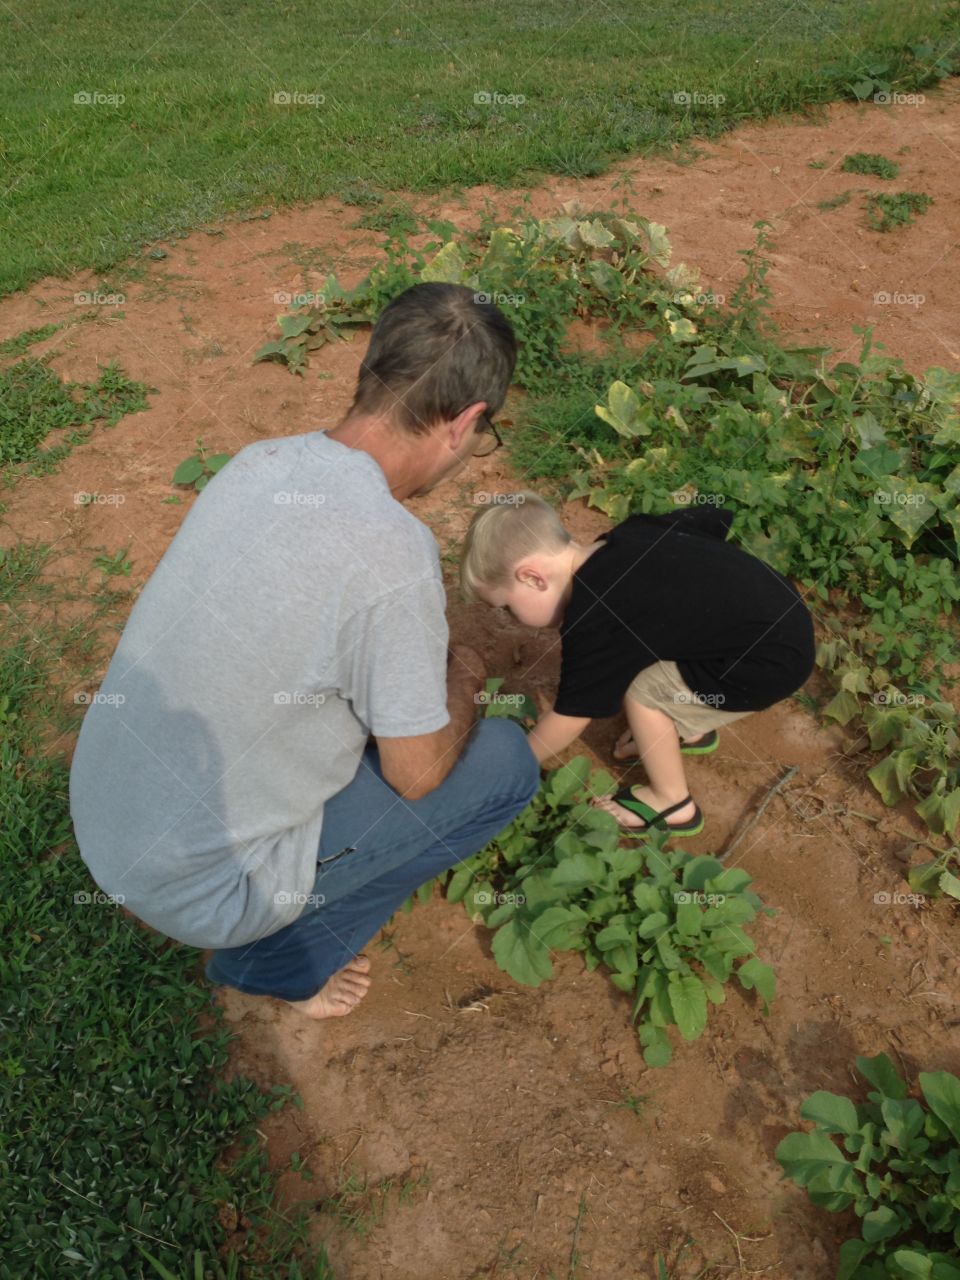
{"x": 530, "y": 576}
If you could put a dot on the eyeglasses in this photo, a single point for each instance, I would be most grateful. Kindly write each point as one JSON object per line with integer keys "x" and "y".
{"x": 487, "y": 429}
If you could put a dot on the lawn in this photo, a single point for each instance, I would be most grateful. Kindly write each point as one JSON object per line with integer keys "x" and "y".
{"x": 186, "y": 112}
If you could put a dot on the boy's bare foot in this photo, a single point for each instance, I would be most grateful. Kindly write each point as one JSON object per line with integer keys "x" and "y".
{"x": 626, "y": 749}
{"x": 646, "y": 796}
{"x": 340, "y": 994}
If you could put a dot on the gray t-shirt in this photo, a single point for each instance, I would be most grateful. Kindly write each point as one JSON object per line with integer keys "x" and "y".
{"x": 299, "y": 608}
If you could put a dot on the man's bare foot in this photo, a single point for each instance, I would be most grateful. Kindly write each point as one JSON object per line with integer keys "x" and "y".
{"x": 340, "y": 994}
{"x": 632, "y": 821}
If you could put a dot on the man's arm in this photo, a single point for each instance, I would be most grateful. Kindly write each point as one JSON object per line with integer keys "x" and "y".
{"x": 553, "y": 733}
{"x": 416, "y": 766}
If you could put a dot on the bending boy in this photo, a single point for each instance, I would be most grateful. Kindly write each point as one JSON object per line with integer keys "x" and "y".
{"x": 660, "y": 617}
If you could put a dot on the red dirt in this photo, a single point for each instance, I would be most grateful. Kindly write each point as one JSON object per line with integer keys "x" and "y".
{"x": 502, "y": 1103}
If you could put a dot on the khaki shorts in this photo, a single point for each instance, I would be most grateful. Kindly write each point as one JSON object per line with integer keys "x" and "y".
{"x": 662, "y": 687}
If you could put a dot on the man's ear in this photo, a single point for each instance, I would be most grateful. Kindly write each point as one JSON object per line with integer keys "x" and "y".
{"x": 463, "y": 425}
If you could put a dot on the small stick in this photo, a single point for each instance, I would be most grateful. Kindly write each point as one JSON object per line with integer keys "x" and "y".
{"x": 738, "y": 836}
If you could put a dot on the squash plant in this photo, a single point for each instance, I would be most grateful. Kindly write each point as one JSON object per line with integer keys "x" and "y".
{"x": 896, "y": 1161}
{"x": 667, "y": 927}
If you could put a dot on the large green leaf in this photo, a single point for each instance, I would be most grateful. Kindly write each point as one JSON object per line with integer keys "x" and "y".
{"x": 657, "y": 1050}
{"x": 903, "y": 1118}
{"x": 688, "y": 999}
{"x": 884, "y": 778}
{"x": 880, "y": 1224}
{"x": 806, "y": 1156}
{"x": 754, "y": 974}
{"x": 831, "y": 1112}
{"x": 942, "y": 1092}
{"x": 883, "y": 1075}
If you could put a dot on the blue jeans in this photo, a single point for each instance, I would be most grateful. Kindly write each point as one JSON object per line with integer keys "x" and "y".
{"x": 375, "y": 849}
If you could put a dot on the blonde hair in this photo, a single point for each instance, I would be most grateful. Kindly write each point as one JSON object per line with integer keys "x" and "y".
{"x": 515, "y": 525}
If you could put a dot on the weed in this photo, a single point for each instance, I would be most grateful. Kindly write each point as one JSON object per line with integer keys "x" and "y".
{"x": 885, "y": 212}
{"x": 871, "y": 163}
{"x": 34, "y": 402}
{"x": 394, "y": 220}
{"x": 835, "y": 202}
{"x": 199, "y": 469}
{"x": 115, "y": 564}
{"x": 17, "y": 345}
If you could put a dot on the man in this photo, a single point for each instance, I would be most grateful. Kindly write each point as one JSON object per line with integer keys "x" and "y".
{"x": 224, "y": 785}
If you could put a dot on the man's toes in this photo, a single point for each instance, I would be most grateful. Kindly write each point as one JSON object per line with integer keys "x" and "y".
{"x": 360, "y": 962}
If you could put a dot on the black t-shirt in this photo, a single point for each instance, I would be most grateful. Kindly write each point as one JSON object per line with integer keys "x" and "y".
{"x": 670, "y": 588}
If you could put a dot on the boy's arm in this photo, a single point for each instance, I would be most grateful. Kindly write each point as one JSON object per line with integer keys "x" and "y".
{"x": 553, "y": 733}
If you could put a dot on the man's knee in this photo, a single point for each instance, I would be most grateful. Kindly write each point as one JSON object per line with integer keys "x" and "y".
{"x": 500, "y": 754}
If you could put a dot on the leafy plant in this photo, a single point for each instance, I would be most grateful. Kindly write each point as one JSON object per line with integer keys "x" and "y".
{"x": 870, "y": 162}
{"x": 884, "y": 212}
{"x": 18, "y": 344}
{"x": 505, "y": 706}
{"x": 34, "y": 402}
{"x": 901, "y": 1179}
{"x": 666, "y": 926}
{"x": 200, "y": 468}
{"x": 834, "y": 202}
{"x": 115, "y": 564}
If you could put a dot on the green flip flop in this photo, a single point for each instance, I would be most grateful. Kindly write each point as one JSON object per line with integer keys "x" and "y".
{"x": 709, "y": 742}
{"x": 692, "y": 827}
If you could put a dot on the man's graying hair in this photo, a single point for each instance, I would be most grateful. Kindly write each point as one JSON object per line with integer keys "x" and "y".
{"x": 433, "y": 351}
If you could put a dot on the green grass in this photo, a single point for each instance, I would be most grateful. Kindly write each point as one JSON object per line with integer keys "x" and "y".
{"x": 34, "y": 401}
{"x": 870, "y": 162}
{"x": 18, "y": 344}
{"x": 199, "y": 133}
{"x": 885, "y": 212}
{"x": 116, "y": 1115}
{"x": 835, "y": 201}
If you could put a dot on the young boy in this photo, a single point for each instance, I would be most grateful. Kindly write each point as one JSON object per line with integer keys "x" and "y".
{"x": 660, "y": 616}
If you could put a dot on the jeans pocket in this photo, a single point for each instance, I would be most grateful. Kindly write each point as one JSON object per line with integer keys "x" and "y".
{"x": 334, "y": 857}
